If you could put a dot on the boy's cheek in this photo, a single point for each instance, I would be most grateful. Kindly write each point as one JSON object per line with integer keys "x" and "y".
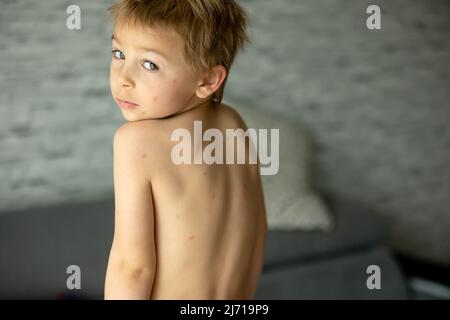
{"x": 112, "y": 76}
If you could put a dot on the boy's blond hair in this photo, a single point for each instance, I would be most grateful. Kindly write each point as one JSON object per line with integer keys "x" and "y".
{"x": 213, "y": 30}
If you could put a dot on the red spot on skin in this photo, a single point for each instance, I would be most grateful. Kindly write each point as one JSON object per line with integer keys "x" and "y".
{"x": 155, "y": 98}
{"x": 143, "y": 112}
{"x": 191, "y": 237}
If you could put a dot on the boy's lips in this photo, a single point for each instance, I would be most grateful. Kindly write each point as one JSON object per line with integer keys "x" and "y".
{"x": 126, "y": 104}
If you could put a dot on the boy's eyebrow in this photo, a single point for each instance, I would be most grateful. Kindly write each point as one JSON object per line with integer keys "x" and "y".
{"x": 143, "y": 48}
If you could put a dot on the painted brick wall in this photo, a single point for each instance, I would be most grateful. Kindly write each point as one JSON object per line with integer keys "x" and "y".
{"x": 378, "y": 103}
{"x": 57, "y": 119}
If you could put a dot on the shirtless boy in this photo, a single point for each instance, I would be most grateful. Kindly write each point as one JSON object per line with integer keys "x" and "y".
{"x": 182, "y": 231}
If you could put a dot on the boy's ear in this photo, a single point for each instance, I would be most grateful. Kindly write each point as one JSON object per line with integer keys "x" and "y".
{"x": 211, "y": 81}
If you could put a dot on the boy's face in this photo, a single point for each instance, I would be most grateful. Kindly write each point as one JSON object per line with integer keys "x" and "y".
{"x": 148, "y": 68}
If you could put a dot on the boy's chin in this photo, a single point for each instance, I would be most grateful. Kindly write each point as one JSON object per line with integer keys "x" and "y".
{"x": 132, "y": 117}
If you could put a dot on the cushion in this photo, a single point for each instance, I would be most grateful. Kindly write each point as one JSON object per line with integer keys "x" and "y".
{"x": 291, "y": 204}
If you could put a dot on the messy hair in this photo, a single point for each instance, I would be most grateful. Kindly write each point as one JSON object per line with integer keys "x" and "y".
{"x": 213, "y": 30}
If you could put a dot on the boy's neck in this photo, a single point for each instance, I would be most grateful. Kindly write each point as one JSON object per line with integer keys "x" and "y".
{"x": 198, "y": 106}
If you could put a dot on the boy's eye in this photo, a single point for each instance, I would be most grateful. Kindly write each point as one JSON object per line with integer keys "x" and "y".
{"x": 150, "y": 66}
{"x": 118, "y": 54}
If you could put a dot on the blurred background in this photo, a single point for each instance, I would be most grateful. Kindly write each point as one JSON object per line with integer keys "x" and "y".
{"x": 371, "y": 110}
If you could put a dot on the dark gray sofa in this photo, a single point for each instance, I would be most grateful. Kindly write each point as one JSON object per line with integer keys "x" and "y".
{"x": 333, "y": 265}
{"x": 38, "y": 245}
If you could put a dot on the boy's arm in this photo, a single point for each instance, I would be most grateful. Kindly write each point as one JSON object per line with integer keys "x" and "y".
{"x": 132, "y": 260}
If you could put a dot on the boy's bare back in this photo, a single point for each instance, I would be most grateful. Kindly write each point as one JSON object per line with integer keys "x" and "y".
{"x": 182, "y": 230}
{"x": 210, "y": 220}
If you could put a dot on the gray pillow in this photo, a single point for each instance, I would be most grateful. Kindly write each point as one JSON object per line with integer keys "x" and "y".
{"x": 291, "y": 203}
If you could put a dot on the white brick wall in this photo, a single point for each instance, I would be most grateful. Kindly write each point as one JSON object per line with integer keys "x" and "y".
{"x": 56, "y": 116}
{"x": 378, "y": 103}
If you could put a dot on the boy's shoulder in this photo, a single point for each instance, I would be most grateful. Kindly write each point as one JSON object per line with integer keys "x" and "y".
{"x": 229, "y": 117}
{"x": 137, "y": 142}
{"x": 229, "y": 110}
{"x": 135, "y": 136}
{"x": 134, "y": 132}
{"x": 138, "y": 130}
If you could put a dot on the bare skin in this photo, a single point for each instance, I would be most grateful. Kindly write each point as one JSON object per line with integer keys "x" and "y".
{"x": 210, "y": 220}
{"x": 190, "y": 231}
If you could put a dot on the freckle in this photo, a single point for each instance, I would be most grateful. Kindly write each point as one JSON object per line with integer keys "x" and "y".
{"x": 191, "y": 237}
{"x": 178, "y": 216}
{"x": 155, "y": 98}
{"x": 204, "y": 172}
{"x": 213, "y": 195}
{"x": 175, "y": 81}
{"x": 144, "y": 156}
{"x": 143, "y": 112}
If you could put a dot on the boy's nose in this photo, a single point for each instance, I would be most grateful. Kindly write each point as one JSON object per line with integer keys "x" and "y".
{"x": 124, "y": 79}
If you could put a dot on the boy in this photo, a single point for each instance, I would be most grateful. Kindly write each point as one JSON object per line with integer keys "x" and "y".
{"x": 189, "y": 231}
